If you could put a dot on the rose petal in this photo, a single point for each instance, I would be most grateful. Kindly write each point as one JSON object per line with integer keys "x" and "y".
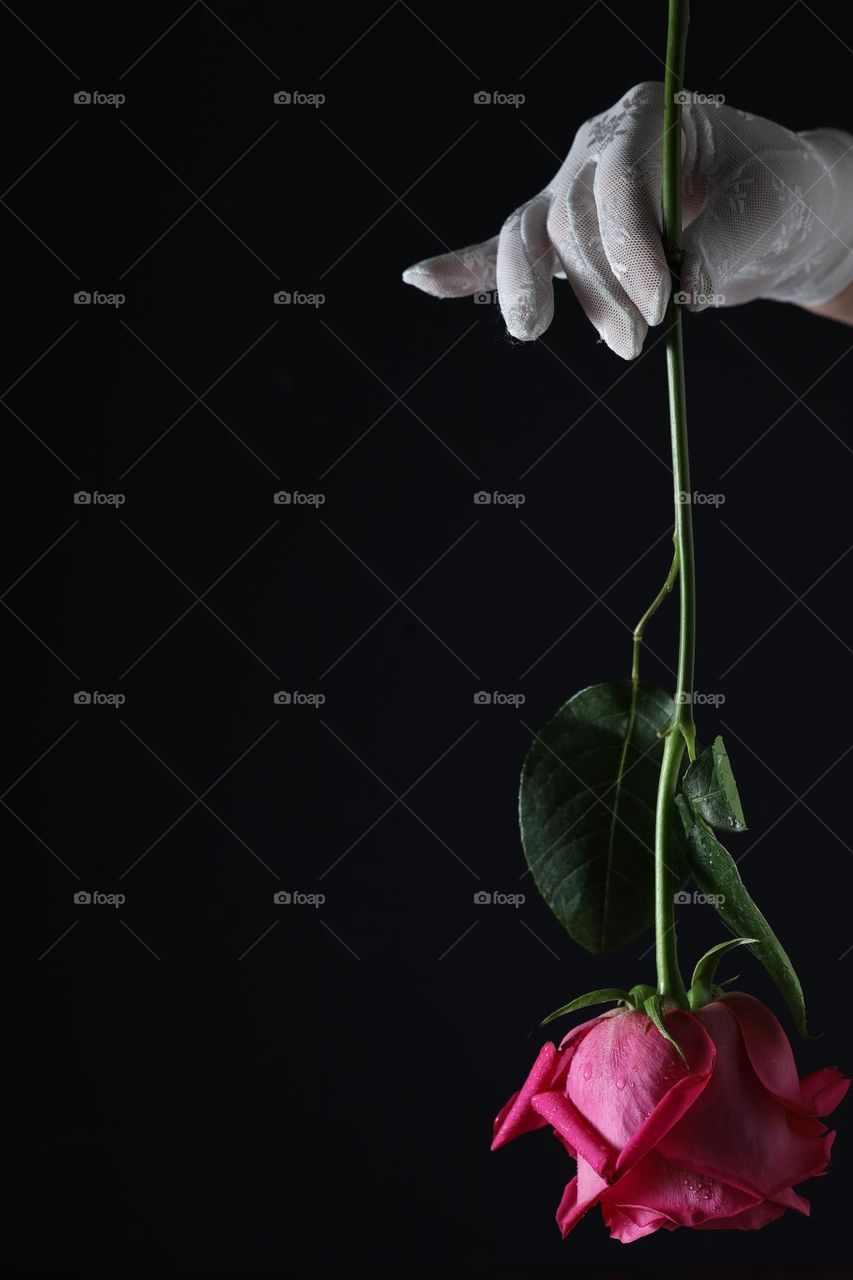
{"x": 824, "y": 1089}
{"x": 517, "y": 1116}
{"x": 656, "y": 1186}
{"x": 558, "y": 1110}
{"x": 759, "y": 1215}
{"x": 768, "y": 1048}
{"x": 736, "y": 1131}
{"x": 584, "y": 1190}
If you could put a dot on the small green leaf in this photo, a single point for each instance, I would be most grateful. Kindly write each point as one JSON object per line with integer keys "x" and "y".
{"x": 716, "y": 874}
{"x": 587, "y": 811}
{"x": 701, "y": 988}
{"x": 654, "y": 1008}
{"x": 640, "y": 994}
{"x": 603, "y": 996}
{"x": 711, "y": 789}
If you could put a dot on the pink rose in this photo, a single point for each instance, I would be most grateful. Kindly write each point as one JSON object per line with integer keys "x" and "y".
{"x": 656, "y": 1145}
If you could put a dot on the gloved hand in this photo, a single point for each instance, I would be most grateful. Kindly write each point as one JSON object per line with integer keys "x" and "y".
{"x": 767, "y": 214}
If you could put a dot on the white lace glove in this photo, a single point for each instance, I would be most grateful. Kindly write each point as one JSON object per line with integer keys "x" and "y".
{"x": 767, "y": 214}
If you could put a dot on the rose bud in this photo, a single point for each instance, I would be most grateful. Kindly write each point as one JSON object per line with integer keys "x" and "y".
{"x": 720, "y": 1142}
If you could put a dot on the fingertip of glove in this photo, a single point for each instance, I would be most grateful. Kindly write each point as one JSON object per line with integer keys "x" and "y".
{"x": 421, "y": 277}
{"x": 526, "y": 324}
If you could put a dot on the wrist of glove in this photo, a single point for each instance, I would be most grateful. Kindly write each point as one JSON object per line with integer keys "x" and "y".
{"x": 767, "y": 214}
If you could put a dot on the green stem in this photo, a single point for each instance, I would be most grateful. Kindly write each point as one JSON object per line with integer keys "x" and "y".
{"x": 682, "y": 732}
{"x": 639, "y": 630}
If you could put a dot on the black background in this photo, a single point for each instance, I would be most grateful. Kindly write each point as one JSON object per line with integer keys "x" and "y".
{"x": 210, "y": 1079}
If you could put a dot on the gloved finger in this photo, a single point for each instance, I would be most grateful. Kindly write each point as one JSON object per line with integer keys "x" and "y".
{"x": 458, "y": 274}
{"x": 525, "y": 269}
{"x": 576, "y": 237}
{"x": 627, "y": 196}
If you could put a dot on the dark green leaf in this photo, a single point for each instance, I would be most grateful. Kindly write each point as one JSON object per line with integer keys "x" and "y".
{"x": 587, "y": 809}
{"x": 711, "y": 789}
{"x": 706, "y": 968}
{"x": 654, "y": 1008}
{"x": 715, "y": 873}
{"x": 606, "y": 995}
